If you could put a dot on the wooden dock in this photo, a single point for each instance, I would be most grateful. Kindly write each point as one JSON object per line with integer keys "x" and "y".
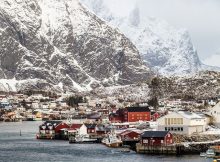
{"x": 168, "y": 150}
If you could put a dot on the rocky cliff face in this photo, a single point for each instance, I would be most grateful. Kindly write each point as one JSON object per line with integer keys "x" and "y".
{"x": 59, "y": 45}
{"x": 167, "y": 50}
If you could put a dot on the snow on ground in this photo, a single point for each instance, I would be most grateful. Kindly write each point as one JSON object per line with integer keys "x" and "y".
{"x": 212, "y": 131}
{"x": 8, "y": 84}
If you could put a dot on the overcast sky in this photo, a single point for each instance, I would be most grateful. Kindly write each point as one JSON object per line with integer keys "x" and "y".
{"x": 200, "y": 17}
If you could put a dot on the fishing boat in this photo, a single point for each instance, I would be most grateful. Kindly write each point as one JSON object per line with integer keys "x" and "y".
{"x": 83, "y": 139}
{"x": 203, "y": 154}
{"x": 210, "y": 153}
{"x": 112, "y": 140}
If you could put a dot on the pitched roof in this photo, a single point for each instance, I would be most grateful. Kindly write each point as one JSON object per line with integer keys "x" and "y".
{"x": 128, "y": 132}
{"x": 151, "y": 134}
{"x": 75, "y": 126}
{"x": 49, "y": 124}
{"x": 138, "y": 109}
{"x": 190, "y": 115}
{"x": 90, "y": 126}
{"x": 52, "y": 122}
{"x": 100, "y": 128}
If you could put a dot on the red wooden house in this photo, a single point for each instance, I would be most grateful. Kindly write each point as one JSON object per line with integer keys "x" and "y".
{"x": 134, "y": 114}
{"x": 51, "y": 129}
{"x": 117, "y": 117}
{"x": 156, "y": 138}
{"x": 131, "y": 114}
{"x": 75, "y": 126}
{"x": 60, "y": 126}
{"x": 130, "y": 135}
{"x": 90, "y": 128}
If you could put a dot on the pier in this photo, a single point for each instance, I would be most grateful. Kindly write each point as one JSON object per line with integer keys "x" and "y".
{"x": 168, "y": 150}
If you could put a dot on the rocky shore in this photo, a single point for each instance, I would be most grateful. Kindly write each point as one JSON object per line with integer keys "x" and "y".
{"x": 196, "y": 143}
{"x": 195, "y": 138}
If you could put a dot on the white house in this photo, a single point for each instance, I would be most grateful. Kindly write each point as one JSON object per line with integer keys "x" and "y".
{"x": 182, "y": 122}
{"x": 83, "y": 130}
{"x": 52, "y": 105}
{"x": 215, "y": 112}
{"x": 35, "y": 105}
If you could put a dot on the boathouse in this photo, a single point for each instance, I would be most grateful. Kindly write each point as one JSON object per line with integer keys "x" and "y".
{"x": 130, "y": 135}
{"x": 51, "y": 129}
{"x": 156, "y": 138}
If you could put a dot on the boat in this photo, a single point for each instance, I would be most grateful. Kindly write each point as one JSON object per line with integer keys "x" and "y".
{"x": 203, "y": 154}
{"x": 112, "y": 141}
{"x": 210, "y": 153}
{"x": 82, "y": 139}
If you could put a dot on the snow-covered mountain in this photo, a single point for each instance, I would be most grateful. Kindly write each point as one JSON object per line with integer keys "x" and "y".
{"x": 60, "y": 45}
{"x": 168, "y": 50}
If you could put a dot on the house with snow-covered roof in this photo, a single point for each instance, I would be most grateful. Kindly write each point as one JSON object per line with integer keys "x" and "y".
{"x": 182, "y": 122}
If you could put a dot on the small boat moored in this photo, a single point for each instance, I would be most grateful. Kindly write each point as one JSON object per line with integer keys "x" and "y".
{"x": 203, "y": 154}
{"x": 210, "y": 153}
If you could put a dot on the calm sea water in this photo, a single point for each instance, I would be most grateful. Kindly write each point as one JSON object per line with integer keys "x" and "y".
{"x": 16, "y": 148}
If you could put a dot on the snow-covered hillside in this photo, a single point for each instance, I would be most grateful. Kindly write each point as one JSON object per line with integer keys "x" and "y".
{"x": 168, "y": 50}
{"x": 53, "y": 44}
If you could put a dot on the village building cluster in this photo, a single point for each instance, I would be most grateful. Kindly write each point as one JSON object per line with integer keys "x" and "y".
{"x": 96, "y": 119}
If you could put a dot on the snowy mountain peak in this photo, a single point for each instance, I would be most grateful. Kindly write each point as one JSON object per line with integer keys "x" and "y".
{"x": 166, "y": 49}
{"x": 60, "y": 45}
{"x": 134, "y": 17}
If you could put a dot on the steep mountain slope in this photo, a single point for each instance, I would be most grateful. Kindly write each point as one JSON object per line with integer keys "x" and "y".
{"x": 203, "y": 85}
{"x": 59, "y": 45}
{"x": 168, "y": 50}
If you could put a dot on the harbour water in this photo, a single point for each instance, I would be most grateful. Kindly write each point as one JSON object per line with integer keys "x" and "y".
{"x": 18, "y": 143}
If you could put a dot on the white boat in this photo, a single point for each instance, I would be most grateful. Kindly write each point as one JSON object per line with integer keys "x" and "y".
{"x": 210, "y": 153}
{"x": 112, "y": 141}
{"x": 203, "y": 154}
{"x": 84, "y": 139}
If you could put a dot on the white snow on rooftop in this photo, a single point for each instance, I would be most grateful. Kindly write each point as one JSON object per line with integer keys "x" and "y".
{"x": 190, "y": 115}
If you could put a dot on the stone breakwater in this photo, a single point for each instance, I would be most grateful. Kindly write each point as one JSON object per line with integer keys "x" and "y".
{"x": 196, "y": 143}
{"x": 195, "y": 138}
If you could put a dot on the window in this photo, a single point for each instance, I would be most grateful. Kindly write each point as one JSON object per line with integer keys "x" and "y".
{"x": 161, "y": 141}
{"x": 145, "y": 141}
{"x": 175, "y": 121}
{"x": 181, "y": 120}
{"x": 165, "y": 128}
{"x": 178, "y": 120}
{"x": 181, "y": 128}
{"x": 168, "y": 121}
{"x": 171, "y": 128}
